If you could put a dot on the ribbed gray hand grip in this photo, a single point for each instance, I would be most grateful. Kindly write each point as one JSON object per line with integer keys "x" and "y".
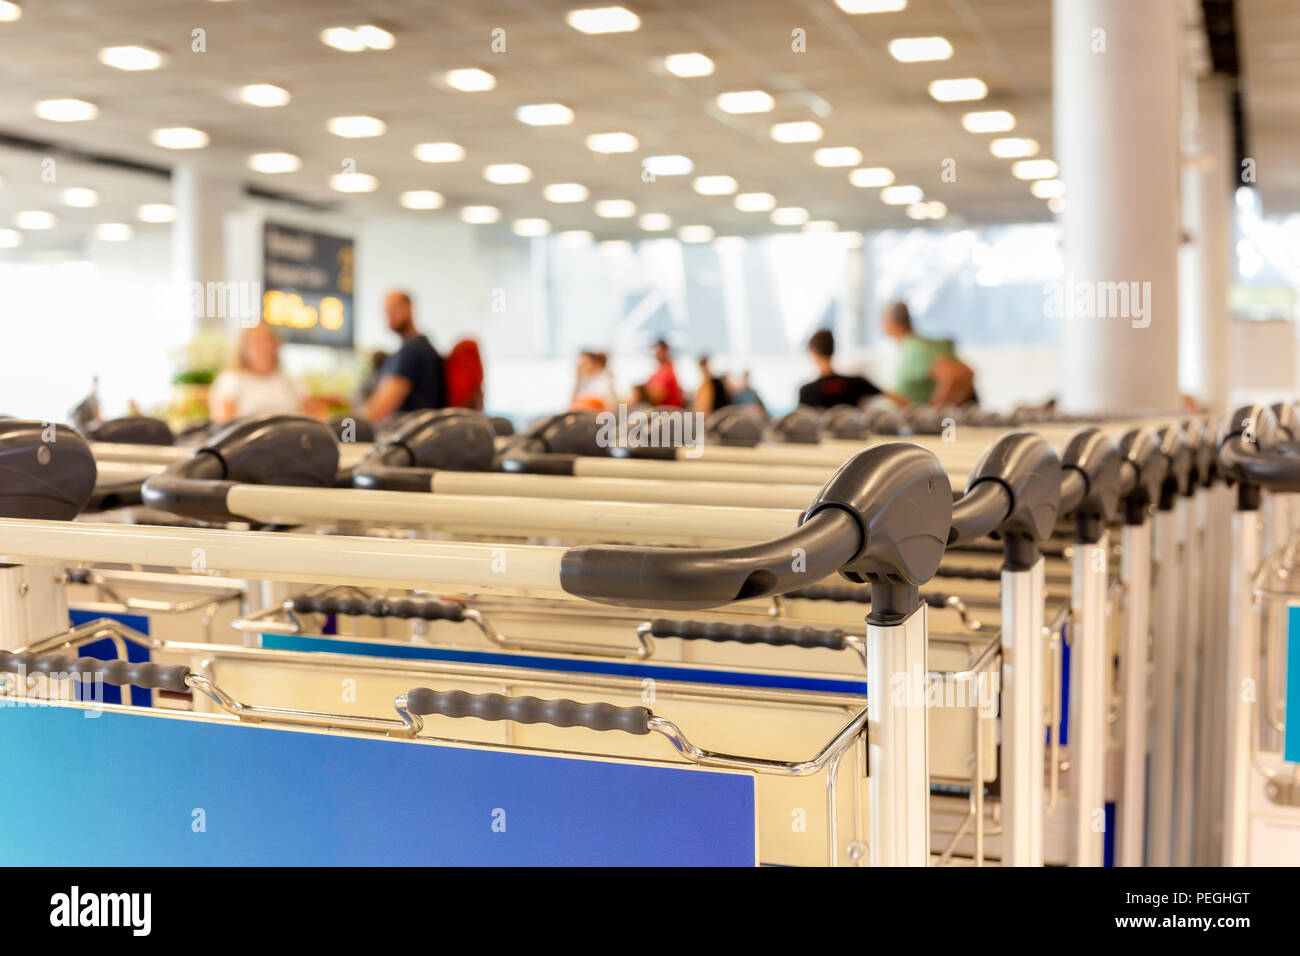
{"x": 140, "y": 673}
{"x": 428, "y": 609}
{"x": 745, "y": 633}
{"x": 528, "y": 710}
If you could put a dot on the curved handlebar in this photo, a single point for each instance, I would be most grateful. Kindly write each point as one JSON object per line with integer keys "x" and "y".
{"x": 423, "y": 701}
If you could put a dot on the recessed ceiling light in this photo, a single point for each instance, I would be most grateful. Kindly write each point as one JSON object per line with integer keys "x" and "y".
{"x": 480, "y": 215}
{"x": 725, "y": 244}
{"x": 66, "y": 111}
{"x": 1047, "y": 188}
{"x": 615, "y": 208}
{"x": 1056, "y": 204}
{"x": 789, "y": 216}
{"x": 871, "y": 177}
{"x": 439, "y": 152}
{"x": 113, "y": 232}
{"x": 376, "y": 38}
{"x": 655, "y": 222}
{"x": 715, "y": 185}
{"x": 804, "y": 131}
{"x": 356, "y": 127}
{"x": 471, "y": 80}
{"x": 1034, "y": 169}
{"x": 565, "y": 192}
{"x": 10, "y": 238}
{"x": 576, "y": 238}
{"x": 421, "y": 199}
{"x": 274, "y": 163}
{"x": 746, "y": 101}
{"x": 927, "y": 210}
{"x": 616, "y": 247}
{"x": 528, "y": 228}
{"x": 603, "y": 20}
{"x": 130, "y": 57}
{"x": 901, "y": 195}
{"x": 821, "y": 225}
{"x": 156, "y": 212}
{"x": 612, "y": 143}
{"x": 937, "y": 209}
{"x": 837, "y": 156}
{"x": 35, "y": 219}
{"x": 544, "y": 114}
{"x": 356, "y": 39}
{"x": 695, "y": 233}
{"x": 80, "y": 197}
{"x": 9, "y": 12}
{"x": 871, "y": 6}
{"x": 507, "y": 174}
{"x": 353, "y": 183}
{"x": 1013, "y": 147}
{"x": 989, "y": 121}
{"x": 919, "y": 49}
{"x": 179, "y": 137}
{"x": 264, "y": 94}
{"x": 956, "y": 91}
{"x": 755, "y": 202}
{"x": 669, "y": 165}
{"x": 688, "y": 65}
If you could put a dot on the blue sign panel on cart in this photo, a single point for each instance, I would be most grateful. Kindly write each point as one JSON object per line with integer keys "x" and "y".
{"x": 201, "y": 793}
{"x": 1291, "y": 742}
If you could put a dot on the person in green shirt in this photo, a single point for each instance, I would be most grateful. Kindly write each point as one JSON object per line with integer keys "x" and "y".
{"x": 929, "y": 371}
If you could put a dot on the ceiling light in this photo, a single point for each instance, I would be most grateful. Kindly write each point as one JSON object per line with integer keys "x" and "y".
{"x": 35, "y": 219}
{"x": 356, "y": 127}
{"x": 179, "y": 137}
{"x": 472, "y": 80}
{"x": 655, "y": 222}
{"x": 421, "y": 199}
{"x": 439, "y": 152}
{"x": 837, "y": 156}
{"x": 989, "y": 121}
{"x": 927, "y": 210}
{"x": 688, "y": 64}
{"x": 871, "y": 6}
{"x": 264, "y": 94}
{"x": 937, "y": 209}
{"x": 113, "y": 232}
{"x": 130, "y": 57}
{"x": 615, "y": 247}
{"x": 919, "y": 49}
{"x": 745, "y": 101}
{"x": 565, "y": 192}
{"x": 715, "y": 185}
{"x": 66, "y": 111}
{"x": 871, "y": 177}
{"x": 603, "y": 20}
{"x": 670, "y": 165}
{"x": 615, "y": 208}
{"x": 1012, "y": 147}
{"x": 612, "y": 143}
{"x": 529, "y": 228}
{"x": 9, "y": 12}
{"x": 1056, "y": 204}
{"x": 955, "y": 91}
{"x": 901, "y": 195}
{"x": 804, "y": 131}
{"x": 356, "y": 39}
{"x": 790, "y": 216}
{"x": 1034, "y": 169}
{"x": 507, "y": 174}
{"x": 80, "y": 197}
{"x": 376, "y": 38}
{"x": 274, "y": 163}
{"x": 755, "y": 202}
{"x": 10, "y": 238}
{"x": 695, "y": 233}
{"x": 1047, "y": 188}
{"x": 353, "y": 183}
{"x": 544, "y": 114}
{"x": 156, "y": 212}
{"x": 576, "y": 238}
{"x": 480, "y": 215}
{"x": 821, "y": 225}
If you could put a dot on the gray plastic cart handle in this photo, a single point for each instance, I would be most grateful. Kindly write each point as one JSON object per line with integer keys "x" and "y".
{"x": 422, "y": 701}
{"x": 139, "y": 673}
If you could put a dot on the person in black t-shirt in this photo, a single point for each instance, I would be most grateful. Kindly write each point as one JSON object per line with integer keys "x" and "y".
{"x": 713, "y": 392}
{"x": 412, "y": 377}
{"x": 830, "y": 389}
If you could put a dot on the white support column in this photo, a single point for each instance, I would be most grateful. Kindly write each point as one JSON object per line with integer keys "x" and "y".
{"x": 1024, "y": 729}
{"x": 1090, "y": 663}
{"x": 1239, "y": 696}
{"x": 1135, "y": 571}
{"x": 1115, "y": 90}
{"x": 1166, "y": 594}
{"x": 198, "y": 233}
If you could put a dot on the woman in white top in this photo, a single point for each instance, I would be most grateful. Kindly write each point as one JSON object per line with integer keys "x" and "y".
{"x": 257, "y": 385}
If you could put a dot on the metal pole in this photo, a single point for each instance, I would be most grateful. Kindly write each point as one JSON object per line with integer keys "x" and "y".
{"x": 1023, "y": 726}
{"x": 1190, "y": 678}
{"x": 1135, "y": 570}
{"x": 1239, "y": 690}
{"x": 1167, "y": 586}
{"x": 1089, "y": 699}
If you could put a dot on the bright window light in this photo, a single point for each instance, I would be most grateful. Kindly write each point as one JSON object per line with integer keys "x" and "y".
{"x": 10, "y": 238}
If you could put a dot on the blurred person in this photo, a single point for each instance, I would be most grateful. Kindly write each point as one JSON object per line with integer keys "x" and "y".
{"x": 593, "y": 389}
{"x": 929, "y": 371}
{"x": 255, "y": 384}
{"x": 413, "y": 377}
{"x": 464, "y": 369}
{"x": 713, "y": 392}
{"x": 377, "y": 359}
{"x": 662, "y": 387}
{"x": 743, "y": 394}
{"x": 830, "y": 388}
{"x": 639, "y": 399}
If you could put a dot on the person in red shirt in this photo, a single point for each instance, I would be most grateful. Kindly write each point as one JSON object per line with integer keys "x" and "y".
{"x": 662, "y": 387}
{"x": 464, "y": 373}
